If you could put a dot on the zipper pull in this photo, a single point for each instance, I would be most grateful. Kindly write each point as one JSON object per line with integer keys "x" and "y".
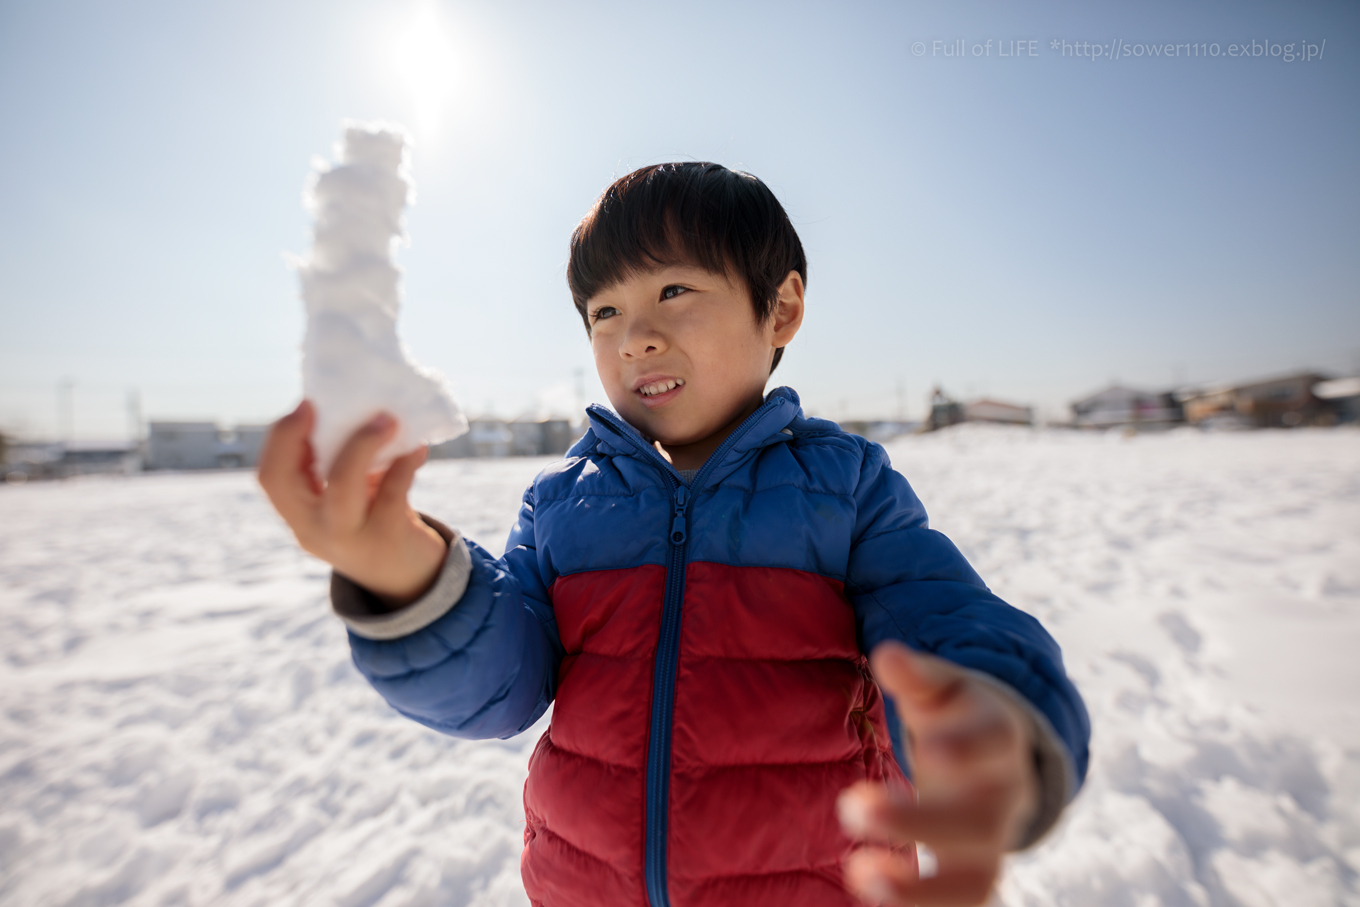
{"x": 678, "y": 526}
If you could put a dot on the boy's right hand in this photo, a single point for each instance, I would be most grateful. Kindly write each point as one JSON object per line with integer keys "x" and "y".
{"x": 360, "y": 524}
{"x": 976, "y": 789}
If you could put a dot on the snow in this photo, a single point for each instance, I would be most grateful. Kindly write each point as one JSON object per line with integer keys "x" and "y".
{"x": 180, "y": 723}
{"x": 353, "y": 363}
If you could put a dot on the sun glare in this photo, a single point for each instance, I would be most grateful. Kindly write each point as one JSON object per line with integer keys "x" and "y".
{"x": 427, "y": 64}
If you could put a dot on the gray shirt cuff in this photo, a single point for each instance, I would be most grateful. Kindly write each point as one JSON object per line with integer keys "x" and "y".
{"x": 367, "y": 616}
{"x": 1052, "y": 765}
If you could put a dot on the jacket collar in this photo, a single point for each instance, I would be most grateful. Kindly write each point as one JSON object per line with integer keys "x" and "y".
{"x": 762, "y": 428}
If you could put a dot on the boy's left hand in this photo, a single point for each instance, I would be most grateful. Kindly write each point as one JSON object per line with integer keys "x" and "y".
{"x": 972, "y": 756}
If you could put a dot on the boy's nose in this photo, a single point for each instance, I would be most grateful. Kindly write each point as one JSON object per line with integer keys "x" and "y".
{"x": 642, "y": 340}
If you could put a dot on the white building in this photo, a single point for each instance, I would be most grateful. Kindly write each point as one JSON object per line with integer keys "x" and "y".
{"x": 490, "y": 438}
{"x": 241, "y": 446}
{"x": 182, "y": 445}
{"x": 203, "y": 445}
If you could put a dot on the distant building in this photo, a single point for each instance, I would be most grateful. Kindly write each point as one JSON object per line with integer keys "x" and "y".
{"x": 999, "y": 412}
{"x": 524, "y": 437}
{"x": 251, "y": 440}
{"x": 1343, "y": 395}
{"x": 946, "y": 411}
{"x": 240, "y": 446}
{"x": 24, "y": 461}
{"x": 99, "y": 459}
{"x": 460, "y": 446}
{"x": 182, "y": 445}
{"x": 203, "y": 445}
{"x": 1283, "y": 402}
{"x": 490, "y": 438}
{"x": 1119, "y": 407}
{"x": 559, "y": 435}
{"x": 536, "y": 437}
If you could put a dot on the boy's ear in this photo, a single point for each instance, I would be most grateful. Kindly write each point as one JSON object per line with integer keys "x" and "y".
{"x": 787, "y": 316}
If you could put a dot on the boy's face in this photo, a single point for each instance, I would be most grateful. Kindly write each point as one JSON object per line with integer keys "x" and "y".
{"x": 682, "y": 357}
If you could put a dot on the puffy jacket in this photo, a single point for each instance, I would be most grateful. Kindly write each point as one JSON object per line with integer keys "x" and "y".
{"x": 704, "y": 645}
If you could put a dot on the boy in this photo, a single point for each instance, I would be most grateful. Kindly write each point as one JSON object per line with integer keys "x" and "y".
{"x": 695, "y": 586}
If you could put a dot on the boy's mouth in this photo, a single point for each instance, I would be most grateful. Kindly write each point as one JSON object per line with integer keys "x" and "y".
{"x": 655, "y": 390}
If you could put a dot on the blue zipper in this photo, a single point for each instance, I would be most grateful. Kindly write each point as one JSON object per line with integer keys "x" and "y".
{"x": 668, "y": 647}
{"x": 663, "y": 707}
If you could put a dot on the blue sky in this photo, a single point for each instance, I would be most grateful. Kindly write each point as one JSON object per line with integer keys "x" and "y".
{"x": 1025, "y": 227}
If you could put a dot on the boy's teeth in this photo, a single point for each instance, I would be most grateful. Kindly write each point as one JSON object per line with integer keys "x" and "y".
{"x": 660, "y": 387}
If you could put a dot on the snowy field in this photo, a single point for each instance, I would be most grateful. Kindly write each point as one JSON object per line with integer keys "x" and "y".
{"x": 180, "y": 723}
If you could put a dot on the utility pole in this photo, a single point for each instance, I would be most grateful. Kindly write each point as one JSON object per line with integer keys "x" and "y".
{"x": 134, "y": 414}
{"x": 66, "y": 410}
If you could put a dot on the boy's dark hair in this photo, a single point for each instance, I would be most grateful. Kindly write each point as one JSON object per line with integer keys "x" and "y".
{"x": 724, "y": 221}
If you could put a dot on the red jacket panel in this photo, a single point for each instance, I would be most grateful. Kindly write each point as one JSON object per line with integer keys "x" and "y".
{"x": 774, "y": 715}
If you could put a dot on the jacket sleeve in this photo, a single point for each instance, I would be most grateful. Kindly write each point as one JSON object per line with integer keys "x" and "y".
{"x": 472, "y": 659}
{"x": 908, "y": 582}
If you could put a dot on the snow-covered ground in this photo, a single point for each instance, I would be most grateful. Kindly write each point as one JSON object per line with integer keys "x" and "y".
{"x": 180, "y": 723}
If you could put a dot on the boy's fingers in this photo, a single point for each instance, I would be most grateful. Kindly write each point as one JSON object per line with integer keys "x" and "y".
{"x": 282, "y": 449}
{"x": 284, "y": 469}
{"x": 396, "y": 482}
{"x": 879, "y": 876}
{"x": 914, "y": 680}
{"x": 971, "y": 822}
{"x": 309, "y": 466}
{"x": 346, "y": 497}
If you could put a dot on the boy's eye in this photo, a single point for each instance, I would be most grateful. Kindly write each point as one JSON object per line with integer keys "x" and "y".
{"x": 673, "y": 291}
{"x": 604, "y": 311}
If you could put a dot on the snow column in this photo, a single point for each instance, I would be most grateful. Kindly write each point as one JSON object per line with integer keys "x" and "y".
{"x": 353, "y": 363}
